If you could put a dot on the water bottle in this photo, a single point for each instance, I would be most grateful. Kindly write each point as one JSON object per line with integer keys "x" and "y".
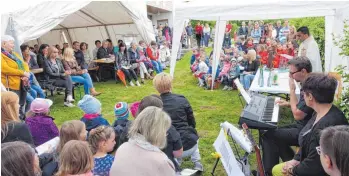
{"x": 261, "y": 78}
{"x": 270, "y": 79}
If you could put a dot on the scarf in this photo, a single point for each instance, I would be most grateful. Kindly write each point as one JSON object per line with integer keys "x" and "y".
{"x": 91, "y": 116}
{"x": 140, "y": 141}
{"x": 14, "y": 58}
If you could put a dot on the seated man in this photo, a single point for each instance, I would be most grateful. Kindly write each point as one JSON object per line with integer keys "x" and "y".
{"x": 277, "y": 143}
{"x": 103, "y": 51}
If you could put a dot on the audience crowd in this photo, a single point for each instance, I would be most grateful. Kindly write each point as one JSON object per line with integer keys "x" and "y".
{"x": 163, "y": 132}
{"x": 252, "y": 47}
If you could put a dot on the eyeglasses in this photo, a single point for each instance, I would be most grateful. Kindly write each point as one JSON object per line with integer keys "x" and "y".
{"x": 318, "y": 149}
{"x": 292, "y": 73}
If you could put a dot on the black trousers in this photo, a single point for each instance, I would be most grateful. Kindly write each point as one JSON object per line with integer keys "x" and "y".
{"x": 228, "y": 81}
{"x": 22, "y": 94}
{"x": 67, "y": 83}
{"x": 277, "y": 144}
{"x": 129, "y": 74}
{"x": 198, "y": 39}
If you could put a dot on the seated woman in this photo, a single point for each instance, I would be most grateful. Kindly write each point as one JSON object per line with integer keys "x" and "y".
{"x": 87, "y": 57}
{"x": 138, "y": 58}
{"x": 54, "y": 70}
{"x": 143, "y": 150}
{"x": 153, "y": 54}
{"x": 165, "y": 55}
{"x": 182, "y": 117}
{"x": 29, "y": 58}
{"x": 250, "y": 70}
{"x": 12, "y": 129}
{"x": 19, "y": 158}
{"x": 42, "y": 55}
{"x": 319, "y": 90}
{"x": 78, "y": 74}
{"x": 123, "y": 62}
{"x": 334, "y": 150}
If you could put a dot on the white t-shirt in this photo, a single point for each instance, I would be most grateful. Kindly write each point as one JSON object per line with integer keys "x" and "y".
{"x": 310, "y": 49}
{"x": 207, "y": 30}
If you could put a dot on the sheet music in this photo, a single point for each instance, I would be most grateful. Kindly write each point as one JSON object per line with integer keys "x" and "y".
{"x": 48, "y": 146}
{"x": 228, "y": 158}
{"x": 242, "y": 91}
{"x": 238, "y": 136}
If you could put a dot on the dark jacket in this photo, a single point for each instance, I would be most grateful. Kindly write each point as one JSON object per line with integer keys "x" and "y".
{"x": 133, "y": 55}
{"x": 308, "y": 141}
{"x": 102, "y": 53}
{"x": 252, "y": 67}
{"x": 79, "y": 56}
{"x": 122, "y": 60}
{"x": 243, "y": 31}
{"x": 33, "y": 64}
{"x": 94, "y": 122}
{"x": 41, "y": 60}
{"x": 51, "y": 72}
{"x": 182, "y": 116}
{"x": 17, "y": 131}
{"x": 121, "y": 128}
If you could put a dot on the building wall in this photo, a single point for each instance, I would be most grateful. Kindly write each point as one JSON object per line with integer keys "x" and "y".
{"x": 162, "y": 16}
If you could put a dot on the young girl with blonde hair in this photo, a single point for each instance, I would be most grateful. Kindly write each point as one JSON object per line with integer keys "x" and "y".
{"x": 102, "y": 141}
{"x": 75, "y": 159}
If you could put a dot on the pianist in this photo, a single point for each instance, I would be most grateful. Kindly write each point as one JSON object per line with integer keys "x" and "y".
{"x": 277, "y": 143}
{"x": 319, "y": 93}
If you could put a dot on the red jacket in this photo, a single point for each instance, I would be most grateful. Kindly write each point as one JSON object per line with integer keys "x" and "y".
{"x": 199, "y": 29}
{"x": 151, "y": 55}
{"x": 264, "y": 57}
{"x": 228, "y": 27}
{"x": 277, "y": 58}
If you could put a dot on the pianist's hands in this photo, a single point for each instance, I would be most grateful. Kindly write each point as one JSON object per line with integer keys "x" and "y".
{"x": 282, "y": 102}
{"x": 288, "y": 166}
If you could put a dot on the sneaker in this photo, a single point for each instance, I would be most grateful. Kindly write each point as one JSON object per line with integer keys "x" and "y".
{"x": 142, "y": 81}
{"x": 131, "y": 84}
{"x": 70, "y": 98}
{"x": 137, "y": 83}
{"x": 69, "y": 104}
{"x": 198, "y": 166}
{"x": 225, "y": 88}
{"x": 230, "y": 88}
{"x": 201, "y": 85}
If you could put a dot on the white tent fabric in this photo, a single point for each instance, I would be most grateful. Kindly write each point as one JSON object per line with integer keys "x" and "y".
{"x": 80, "y": 20}
{"x": 334, "y": 11}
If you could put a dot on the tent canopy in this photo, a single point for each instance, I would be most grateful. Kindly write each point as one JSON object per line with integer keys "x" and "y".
{"x": 335, "y": 12}
{"x": 79, "y": 20}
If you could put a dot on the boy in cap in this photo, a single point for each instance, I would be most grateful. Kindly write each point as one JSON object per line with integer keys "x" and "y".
{"x": 92, "y": 109}
{"x": 121, "y": 123}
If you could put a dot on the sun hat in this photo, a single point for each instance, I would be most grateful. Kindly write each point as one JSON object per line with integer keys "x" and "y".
{"x": 40, "y": 105}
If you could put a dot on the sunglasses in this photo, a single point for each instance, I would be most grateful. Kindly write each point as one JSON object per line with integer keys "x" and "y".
{"x": 318, "y": 149}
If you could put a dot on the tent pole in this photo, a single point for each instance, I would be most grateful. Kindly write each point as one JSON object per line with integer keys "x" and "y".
{"x": 69, "y": 37}
{"x": 106, "y": 29}
{"x": 13, "y": 33}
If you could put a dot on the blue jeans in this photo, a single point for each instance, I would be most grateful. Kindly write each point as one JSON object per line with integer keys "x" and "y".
{"x": 206, "y": 39}
{"x": 84, "y": 79}
{"x": 246, "y": 80}
{"x": 157, "y": 66}
{"x": 36, "y": 91}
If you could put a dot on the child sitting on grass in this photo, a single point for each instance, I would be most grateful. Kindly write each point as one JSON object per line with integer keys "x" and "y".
{"x": 234, "y": 73}
{"x": 202, "y": 70}
{"x": 121, "y": 123}
{"x": 40, "y": 124}
{"x": 75, "y": 159}
{"x": 92, "y": 109}
{"x": 102, "y": 141}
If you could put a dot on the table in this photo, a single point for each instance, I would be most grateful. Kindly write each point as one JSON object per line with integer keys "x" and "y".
{"x": 37, "y": 70}
{"x": 104, "y": 64}
{"x": 281, "y": 88}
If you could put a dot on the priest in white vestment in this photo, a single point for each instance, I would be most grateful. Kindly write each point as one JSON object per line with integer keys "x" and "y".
{"x": 309, "y": 48}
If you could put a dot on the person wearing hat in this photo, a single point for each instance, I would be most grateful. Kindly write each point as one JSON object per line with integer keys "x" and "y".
{"x": 121, "y": 124}
{"x": 14, "y": 71}
{"x": 92, "y": 109}
{"x": 39, "y": 121}
{"x": 233, "y": 73}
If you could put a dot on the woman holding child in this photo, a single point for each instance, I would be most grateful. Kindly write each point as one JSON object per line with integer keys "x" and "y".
{"x": 250, "y": 69}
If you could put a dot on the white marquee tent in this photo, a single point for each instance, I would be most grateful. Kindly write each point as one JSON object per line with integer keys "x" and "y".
{"x": 55, "y": 22}
{"x": 335, "y": 12}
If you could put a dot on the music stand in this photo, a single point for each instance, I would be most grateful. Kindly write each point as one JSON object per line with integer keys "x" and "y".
{"x": 242, "y": 93}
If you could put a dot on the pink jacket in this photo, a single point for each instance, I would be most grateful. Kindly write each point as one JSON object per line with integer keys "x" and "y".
{"x": 226, "y": 68}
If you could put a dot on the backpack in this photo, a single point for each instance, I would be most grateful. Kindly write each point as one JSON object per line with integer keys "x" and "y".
{"x": 121, "y": 132}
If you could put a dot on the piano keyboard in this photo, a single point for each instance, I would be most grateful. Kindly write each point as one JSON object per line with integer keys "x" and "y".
{"x": 271, "y": 112}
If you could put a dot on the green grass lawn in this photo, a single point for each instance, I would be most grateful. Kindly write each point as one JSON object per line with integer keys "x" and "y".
{"x": 210, "y": 107}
